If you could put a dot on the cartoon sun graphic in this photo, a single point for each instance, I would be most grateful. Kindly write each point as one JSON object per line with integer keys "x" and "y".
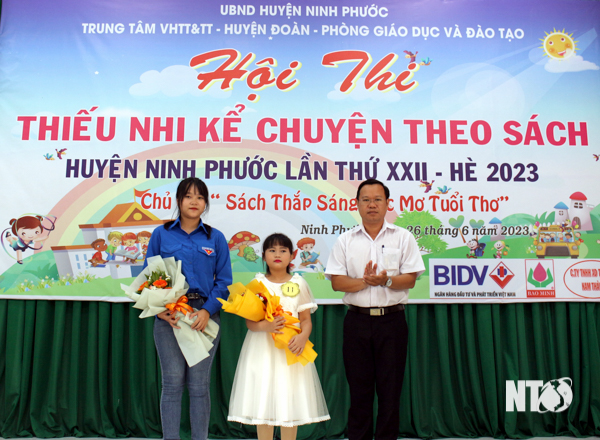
{"x": 559, "y": 45}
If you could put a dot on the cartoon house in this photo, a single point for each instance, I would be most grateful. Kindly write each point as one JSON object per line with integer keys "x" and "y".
{"x": 579, "y": 212}
{"x": 561, "y": 213}
{"x": 124, "y": 218}
{"x": 497, "y": 225}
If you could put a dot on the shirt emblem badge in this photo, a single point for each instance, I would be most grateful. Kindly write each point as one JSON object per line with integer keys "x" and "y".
{"x": 208, "y": 251}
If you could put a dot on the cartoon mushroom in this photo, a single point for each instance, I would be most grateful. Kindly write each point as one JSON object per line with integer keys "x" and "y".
{"x": 241, "y": 241}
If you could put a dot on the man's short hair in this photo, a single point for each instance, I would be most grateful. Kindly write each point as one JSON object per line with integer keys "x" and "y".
{"x": 373, "y": 182}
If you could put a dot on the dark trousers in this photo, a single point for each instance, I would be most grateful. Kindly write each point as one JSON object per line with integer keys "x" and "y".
{"x": 374, "y": 357}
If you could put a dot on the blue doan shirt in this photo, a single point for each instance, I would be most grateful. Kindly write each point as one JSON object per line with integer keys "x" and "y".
{"x": 205, "y": 261}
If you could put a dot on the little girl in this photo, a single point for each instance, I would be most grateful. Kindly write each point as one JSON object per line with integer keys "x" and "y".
{"x": 28, "y": 230}
{"x": 129, "y": 240}
{"x": 268, "y": 392}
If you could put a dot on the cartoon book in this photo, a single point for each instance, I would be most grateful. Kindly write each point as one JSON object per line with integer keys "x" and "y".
{"x": 132, "y": 255}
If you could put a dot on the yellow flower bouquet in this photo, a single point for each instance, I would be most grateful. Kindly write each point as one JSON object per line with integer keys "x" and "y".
{"x": 161, "y": 286}
{"x": 254, "y": 302}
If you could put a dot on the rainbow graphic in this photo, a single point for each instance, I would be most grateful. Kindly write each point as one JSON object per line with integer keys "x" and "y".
{"x": 89, "y": 201}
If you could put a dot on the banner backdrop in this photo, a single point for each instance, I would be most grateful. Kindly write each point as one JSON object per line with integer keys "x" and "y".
{"x": 483, "y": 118}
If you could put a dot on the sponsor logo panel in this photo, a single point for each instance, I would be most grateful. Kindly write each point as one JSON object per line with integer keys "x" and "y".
{"x": 475, "y": 279}
{"x": 540, "y": 278}
{"x": 555, "y": 395}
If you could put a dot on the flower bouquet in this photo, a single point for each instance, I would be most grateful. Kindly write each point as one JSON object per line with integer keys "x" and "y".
{"x": 254, "y": 302}
{"x": 162, "y": 286}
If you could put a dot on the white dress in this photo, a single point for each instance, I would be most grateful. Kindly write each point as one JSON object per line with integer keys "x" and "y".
{"x": 268, "y": 391}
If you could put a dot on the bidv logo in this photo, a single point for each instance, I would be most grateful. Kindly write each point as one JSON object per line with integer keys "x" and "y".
{"x": 555, "y": 395}
{"x": 502, "y": 275}
{"x": 458, "y": 275}
{"x": 464, "y": 275}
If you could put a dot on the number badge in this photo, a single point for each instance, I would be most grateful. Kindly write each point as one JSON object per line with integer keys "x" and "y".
{"x": 290, "y": 289}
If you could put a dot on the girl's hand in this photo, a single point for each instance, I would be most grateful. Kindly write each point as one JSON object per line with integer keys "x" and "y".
{"x": 169, "y": 317}
{"x": 275, "y": 326}
{"x": 200, "y": 323}
{"x": 297, "y": 343}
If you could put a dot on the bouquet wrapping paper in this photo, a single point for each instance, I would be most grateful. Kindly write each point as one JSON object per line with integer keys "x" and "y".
{"x": 255, "y": 302}
{"x": 194, "y": 345}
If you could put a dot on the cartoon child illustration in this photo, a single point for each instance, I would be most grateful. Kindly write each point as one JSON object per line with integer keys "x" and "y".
{"x": 129, "y": 241}
{"x": 27, "y": 230}
{"x": 114, "y": 238}
{"x": 499, "y": 245}
{"x": 306, "y": 245}
{"x": 143, "y": 239}
{"x": 578, "y": 236}
{"x": 100, "y": 246}
{"x": 475, "y": 248}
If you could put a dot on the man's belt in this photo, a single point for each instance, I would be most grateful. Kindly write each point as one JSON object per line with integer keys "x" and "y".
{"x": 376, "y": 311}
{"x": 193, "y": 295}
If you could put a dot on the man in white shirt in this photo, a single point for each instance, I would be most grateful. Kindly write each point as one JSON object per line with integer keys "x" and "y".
{"x": 374, "y": 264}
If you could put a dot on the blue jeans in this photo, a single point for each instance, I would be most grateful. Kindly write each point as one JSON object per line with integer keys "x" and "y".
{"x": 175, "y": 374}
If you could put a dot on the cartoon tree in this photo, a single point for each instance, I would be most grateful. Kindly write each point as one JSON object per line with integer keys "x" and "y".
{"x": 476, "y": 225}
{"x": 457, "y": 223}
{"x": 418, "y": 222}
{"x": 432, "y": 243}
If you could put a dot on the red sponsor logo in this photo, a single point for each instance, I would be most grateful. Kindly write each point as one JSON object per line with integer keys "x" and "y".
{"x": 502, "y": 275}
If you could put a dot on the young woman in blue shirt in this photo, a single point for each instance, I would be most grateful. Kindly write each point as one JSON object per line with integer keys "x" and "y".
{"x": 204, "y": 254}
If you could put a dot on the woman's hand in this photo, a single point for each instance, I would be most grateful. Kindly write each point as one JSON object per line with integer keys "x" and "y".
{"x": 297, "y": 343}
{"x": 201, "y": 318}
{"x": 169, "y": 316}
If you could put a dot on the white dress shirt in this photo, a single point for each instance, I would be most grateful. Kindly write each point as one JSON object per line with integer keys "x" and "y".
{"x": 394, "y": 249}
